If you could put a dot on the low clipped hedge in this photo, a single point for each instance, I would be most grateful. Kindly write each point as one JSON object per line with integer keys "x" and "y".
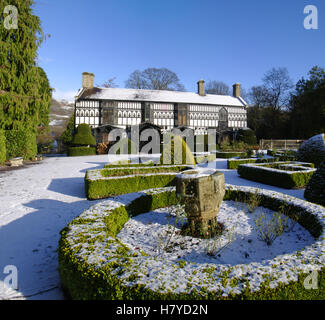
{"x": 103, "y": 183}
{"x": 81, "y": 151}
{"x": 227, "y": 155}
{"x": 276, "y": 177}
{"x": 234, "y": 163}
{"x": 127, "y": 163}
{"x": 94, "y": 264}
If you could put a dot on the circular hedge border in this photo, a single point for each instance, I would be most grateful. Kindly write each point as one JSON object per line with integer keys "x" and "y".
{"x": 93, "y": 264}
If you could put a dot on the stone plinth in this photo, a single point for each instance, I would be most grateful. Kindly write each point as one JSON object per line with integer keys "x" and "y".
{"x": 202, "y": 192}
{"x": 16, "y": 162}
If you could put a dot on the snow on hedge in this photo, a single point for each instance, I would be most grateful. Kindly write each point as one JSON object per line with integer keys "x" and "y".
{"x": 313, "y": 150}
{"x": 160, "y": 274}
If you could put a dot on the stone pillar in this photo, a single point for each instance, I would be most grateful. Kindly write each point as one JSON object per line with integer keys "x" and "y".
{"x": 88, "y": 80}
{"x": 236, "y": 90}
{"x": 200, "y": 88}
{"x": 202, "y": 193}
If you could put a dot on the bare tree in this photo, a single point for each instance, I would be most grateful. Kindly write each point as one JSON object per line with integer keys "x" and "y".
{"x": 154, "y": 79}
{"x": 275, "y": 90}
{"x": 217, "y": 87}
{"x": 110, "y": 83}
{"x": 258, "y": 96}
{"x": 278, "y": 85}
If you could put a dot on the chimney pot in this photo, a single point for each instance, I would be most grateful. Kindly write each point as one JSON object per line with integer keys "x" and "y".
{"x": 236, "y": 90}
{"x": 200, "y": 88}
{"x": 88, "y": 80}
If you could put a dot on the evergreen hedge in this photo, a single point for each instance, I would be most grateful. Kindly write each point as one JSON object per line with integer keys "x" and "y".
{"x": 3, "y": 152}
{"x": 315, "y": 190}
{"x": 81, "y": 151}
{"x": 228, "y": 154}
{"x": 89, "y": 274}
{"x": 234, "y": 163}
{"x": 105, "y": 183}
{"x": 21, "y": 143}
{"x": 275, "y": 177}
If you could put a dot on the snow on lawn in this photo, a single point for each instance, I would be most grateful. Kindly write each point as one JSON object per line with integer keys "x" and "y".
{"x": 239, "y": 243}
{"x": 37, "y": 202}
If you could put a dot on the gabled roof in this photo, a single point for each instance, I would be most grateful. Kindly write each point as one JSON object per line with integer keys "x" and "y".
{"x": 159, "y": 96}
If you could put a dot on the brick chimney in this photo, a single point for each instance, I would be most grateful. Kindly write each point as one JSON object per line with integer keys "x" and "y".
{"x": 236, "y": 90}
{"x": 200, "y": 88}
{"x": 88, "y": 80}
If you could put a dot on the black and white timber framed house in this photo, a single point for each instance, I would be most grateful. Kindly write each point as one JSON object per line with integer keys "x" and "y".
{"x": 107, "y": 108}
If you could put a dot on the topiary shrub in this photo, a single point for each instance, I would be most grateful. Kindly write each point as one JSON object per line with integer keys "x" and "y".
{"x": 125, "y": 146}
{"x": 21, "y": 143}
{"x": 2, "y": 147}
{"x": 82, "y": 142}
{"x": 247, "y": 136}
{"x": 315, "y": 190}
{"x": 312, "y": 150}
{"x": 83, "y": 136}
{"x": 172, "y": 153}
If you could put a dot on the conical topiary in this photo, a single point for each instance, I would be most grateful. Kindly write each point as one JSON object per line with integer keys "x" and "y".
{"x": 315, "y": 190}
{"x": 177, "y": 152}
{"x": 83, "y": 136}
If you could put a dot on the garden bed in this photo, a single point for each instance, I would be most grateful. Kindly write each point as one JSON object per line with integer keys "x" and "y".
{"x": 234, "y": 163}
{"x": 228, "y": 154}
{"x": 103, "y": 183}
{"x": 94, "y": 263}
{"x": 289, "y": 175}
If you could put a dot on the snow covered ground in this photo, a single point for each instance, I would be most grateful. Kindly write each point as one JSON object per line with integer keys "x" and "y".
{"x": 239, "y": 243}
{"x": 37, "y": 202}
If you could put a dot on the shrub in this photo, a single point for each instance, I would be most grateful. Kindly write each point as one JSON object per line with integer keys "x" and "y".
{"x": 247, "y": 136}
{"x": 81, "y": 151}
{"x": 269, "y": 229}
{"x": 83, "y": 136}
{"x": 230, "y": 154}
{"x": 104, "y": 183}
{"x": 3, "y": 152}
{"x": 94, "y": 264}
{"x": 276, "y": 177}
{"x": 234, "y": 163}
{"x": 315, "y": 190}
{"x": 172, "y": 154}
{"x": 313, "y": 150}
{"x": 21, "y": 143}
{"x": 125, "y": 146}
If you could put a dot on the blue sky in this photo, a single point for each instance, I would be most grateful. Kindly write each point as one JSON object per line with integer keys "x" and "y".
{"x": 231, "y": 41}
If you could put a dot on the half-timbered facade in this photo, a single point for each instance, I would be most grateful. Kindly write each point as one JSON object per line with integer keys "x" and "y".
{"x": 124, "y": 108}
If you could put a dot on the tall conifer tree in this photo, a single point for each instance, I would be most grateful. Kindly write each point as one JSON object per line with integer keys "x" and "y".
{"x": 24, "y": 88}
{"x": 25, "y": 93}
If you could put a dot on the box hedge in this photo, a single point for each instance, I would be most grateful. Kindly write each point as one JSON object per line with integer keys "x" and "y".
{"x": 81, "y": 151}
{"x": 228, "y": 154}
{"x": 234, "y": 163}
{"x": 112, "y": 273}
{"x": 103, "y": 183}
{"x": 280, "y": 178}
